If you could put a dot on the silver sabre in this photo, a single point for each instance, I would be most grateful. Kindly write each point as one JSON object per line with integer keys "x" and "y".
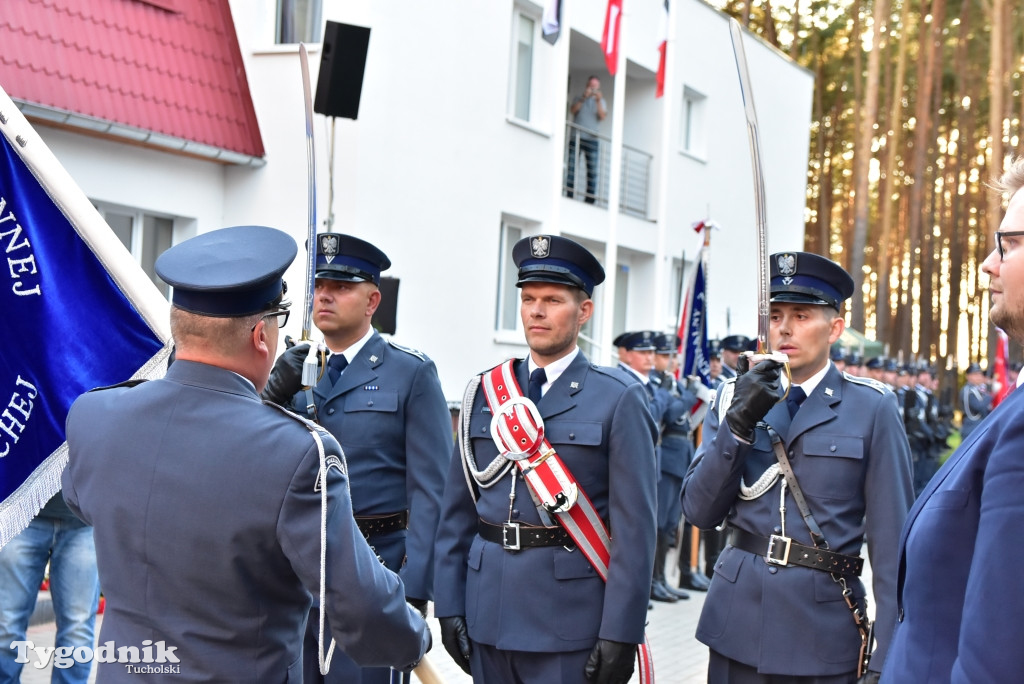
{"x": 761, "y": 225}
{"x": 309, "y": 366}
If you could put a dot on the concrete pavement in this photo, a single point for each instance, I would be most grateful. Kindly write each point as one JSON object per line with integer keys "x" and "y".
{"x": 678, "y": 657}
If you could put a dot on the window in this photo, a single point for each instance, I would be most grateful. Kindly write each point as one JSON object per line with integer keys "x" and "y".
{"x": 692, "y": 129}
{"x": 299, "y": 21}
{"x": 144, "y": 235}
{"x": 524, "y": 38}
{"x": 508, "y": 293}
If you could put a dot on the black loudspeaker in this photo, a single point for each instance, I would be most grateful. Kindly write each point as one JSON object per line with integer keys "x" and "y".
{"x": 342, "y": 63}
{"x": 386, "y": 316}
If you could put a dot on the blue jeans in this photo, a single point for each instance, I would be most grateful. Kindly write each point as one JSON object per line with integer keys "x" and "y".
{"x": 67, "y": 543}
{"x": 589, "y": 150}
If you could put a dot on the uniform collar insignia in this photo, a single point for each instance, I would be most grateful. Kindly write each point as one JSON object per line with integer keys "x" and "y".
{"x": 574, "y": 385}
{"x": 373, "y": 359}
{"x": 828, "y": 391}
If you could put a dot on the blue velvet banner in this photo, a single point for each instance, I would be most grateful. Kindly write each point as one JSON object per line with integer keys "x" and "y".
{"x": 694, "y": 333}
{"x": 67, "y": 328}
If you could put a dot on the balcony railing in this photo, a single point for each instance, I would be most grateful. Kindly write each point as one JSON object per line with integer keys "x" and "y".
{"x": 584, "y": 184}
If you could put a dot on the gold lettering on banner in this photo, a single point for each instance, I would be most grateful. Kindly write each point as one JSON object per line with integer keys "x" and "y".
{"x": 21, "y": 266}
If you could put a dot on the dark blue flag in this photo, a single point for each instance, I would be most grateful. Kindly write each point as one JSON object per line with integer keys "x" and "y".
{"x": 71, "y": 307}
{"x": 693, "y": 329}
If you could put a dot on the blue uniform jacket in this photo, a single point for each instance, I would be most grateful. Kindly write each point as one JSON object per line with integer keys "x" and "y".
{"x": 850, "y": 454}
{"x": 975, "y": 404}
{"x": 206, "y": 512}
{"x": 550, "y": 599}
{"x": 676, "y": 445}
{"x": 959, "y": 592}
{"x": 390, "y": 415}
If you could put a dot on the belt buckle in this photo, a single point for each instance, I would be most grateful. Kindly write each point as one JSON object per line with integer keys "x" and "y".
{"x": 505, "y": 544}
{"x": 782, "y": 557}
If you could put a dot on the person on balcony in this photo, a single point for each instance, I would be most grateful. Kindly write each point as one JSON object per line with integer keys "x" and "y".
{"x": 588, "y": 111}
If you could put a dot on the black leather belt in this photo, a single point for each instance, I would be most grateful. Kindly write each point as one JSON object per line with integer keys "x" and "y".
{"x": 779, "y": 550}
{"x": 372, "y": 525}
{"x": 515, "y": 536}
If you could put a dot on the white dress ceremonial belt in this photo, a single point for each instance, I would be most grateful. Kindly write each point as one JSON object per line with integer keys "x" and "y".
{"x": 518, "y": 431}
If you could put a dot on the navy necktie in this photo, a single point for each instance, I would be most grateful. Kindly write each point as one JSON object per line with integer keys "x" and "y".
{"x": 537, "y": 380}
{"x": 794, "y": 399}
{"x": 335, "y": 365}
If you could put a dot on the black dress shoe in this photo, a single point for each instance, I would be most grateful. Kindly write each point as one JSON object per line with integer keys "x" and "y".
{"x": 658, "y": 593}
{"x": 678, "y": 593}
{"x": 694, "y": 582}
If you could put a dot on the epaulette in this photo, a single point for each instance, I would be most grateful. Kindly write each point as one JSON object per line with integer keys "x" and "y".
{"x": 408, "y": 350}
{"x": 615, "y": 372}
{"x": 306, "y": 422}
{"x": 126, "y": 383}
{"x": 876, "y": 385}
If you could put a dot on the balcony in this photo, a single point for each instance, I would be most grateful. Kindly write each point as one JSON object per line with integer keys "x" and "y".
{"x": 580, "y": 184}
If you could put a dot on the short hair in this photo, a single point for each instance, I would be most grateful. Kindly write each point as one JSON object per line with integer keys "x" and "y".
{"x": 1013, "y": 179}
{"x": 222, "y": 335}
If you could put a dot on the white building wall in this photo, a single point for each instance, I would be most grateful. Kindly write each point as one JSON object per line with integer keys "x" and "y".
{"x": 433, "y": 163}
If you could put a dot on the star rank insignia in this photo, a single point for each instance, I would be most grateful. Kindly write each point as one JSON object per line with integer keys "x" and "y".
{"x": 828, "y": 391}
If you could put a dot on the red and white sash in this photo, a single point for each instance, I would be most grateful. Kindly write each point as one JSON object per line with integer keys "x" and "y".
{"x": 518, "y": 431}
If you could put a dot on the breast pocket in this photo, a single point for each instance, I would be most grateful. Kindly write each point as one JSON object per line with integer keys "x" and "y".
{"x": 371, "y": 417}
{"x": 832, "y": 467}
{"x": 576, "y": 443}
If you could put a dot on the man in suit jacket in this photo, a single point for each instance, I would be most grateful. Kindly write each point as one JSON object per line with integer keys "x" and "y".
{"x": 772, "y": 611}
{"x": 383, "y": 402}
{"x": 207, "y": 505}
{"x": 959, "y": 592}
{"x": 542, "y": 613}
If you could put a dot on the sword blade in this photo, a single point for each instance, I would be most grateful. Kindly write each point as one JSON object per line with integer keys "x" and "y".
{"x": 761, "y": 224}
{"x": 307, "y": 310}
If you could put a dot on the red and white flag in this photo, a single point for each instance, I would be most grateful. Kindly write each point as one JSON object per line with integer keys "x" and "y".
{"x": 610, "y": 38}
{"x": 662, "y": 50}
{"x": 1001, "y": 369}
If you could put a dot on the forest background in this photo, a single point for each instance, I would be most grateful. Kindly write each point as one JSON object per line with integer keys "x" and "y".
{"x": 917, "y": 108}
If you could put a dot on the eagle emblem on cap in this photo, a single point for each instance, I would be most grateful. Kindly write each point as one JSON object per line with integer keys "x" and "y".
{"x": 329, "y": 247}
{"x": 786, "y": 263}
{"x": 540, "y": 247}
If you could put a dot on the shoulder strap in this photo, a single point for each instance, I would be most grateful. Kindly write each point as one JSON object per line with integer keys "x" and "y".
{"x": 860, "y": 618}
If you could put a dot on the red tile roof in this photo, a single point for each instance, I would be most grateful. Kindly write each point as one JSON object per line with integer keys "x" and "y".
{"x": 177, "y": 72}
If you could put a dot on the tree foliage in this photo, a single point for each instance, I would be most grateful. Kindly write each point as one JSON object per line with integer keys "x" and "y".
{"x": 938, "y": 120}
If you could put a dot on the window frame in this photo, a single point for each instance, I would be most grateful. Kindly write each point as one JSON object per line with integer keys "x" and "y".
{"x": 693, "y": 123}
{"x": 519, "y": 13}
{"x": 141, "y": 236}
{"x": 311, "y": 33}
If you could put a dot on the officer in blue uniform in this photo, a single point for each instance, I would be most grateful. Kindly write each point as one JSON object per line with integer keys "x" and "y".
{"x": 774, "y": 612}
{"x": 676, "y": 453}
{"x": 206, "y": 502}
{"x": 541, "y": 613}
{"x": 383, "y": 402}
{"x": 731, "y": 348}
{"x": 636, "y": 351}
{"x": 975, "y": 400}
